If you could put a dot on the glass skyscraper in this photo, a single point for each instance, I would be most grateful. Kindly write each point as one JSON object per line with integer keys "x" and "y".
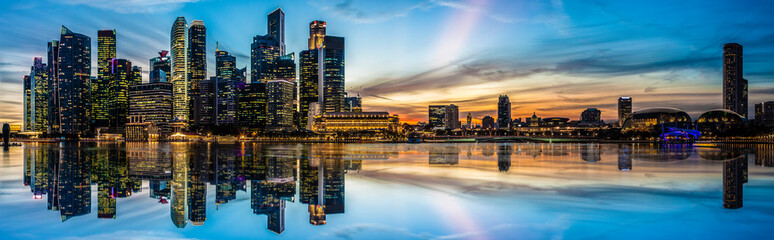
{"x": 160, "y": 68}
{"x": 276, "y": 28}
{"x": 73, "y": 86}
{"x": 333, "y": 74}
{"x": 734, "y": 85}
{"x": 100, "y": 88}
{"x": 197, "y": 68}
{"x": 226, "y": 87}
{"x": 503, "y": 113}
{"x": 179, "y": 48}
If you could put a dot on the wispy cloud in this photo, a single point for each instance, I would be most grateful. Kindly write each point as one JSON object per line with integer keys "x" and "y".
{"x": 132, "y": 6}
{"x": 348, "y": 10}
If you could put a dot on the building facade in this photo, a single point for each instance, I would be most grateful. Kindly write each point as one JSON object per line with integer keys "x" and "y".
{"x": 280, "y": 105}
{"x": 624, "y": 109}
{"x": 734, "y": 85}
{"x": 356, "y": 121}
{"x": 503, "y": 113}
{"x": 178, "y": 46}
{"x": 101, "y": 88}
{"x": 197, "y": 69}
{"x": 150, "y": 110}
{"x": 73, "y": 82}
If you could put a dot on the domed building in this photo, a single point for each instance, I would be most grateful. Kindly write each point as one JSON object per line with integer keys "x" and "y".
{"x": 649, "y": 119}
{"x": 718, "y": 121}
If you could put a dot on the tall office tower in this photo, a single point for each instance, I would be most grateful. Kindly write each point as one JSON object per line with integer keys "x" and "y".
{"x": 118, "y": 106}
{"x": 276, "y": 28}
{"x": 316, "y": 34}
{"x": 264, "y": 52}
{"x": 226, "y": 88}
{"x": 333, "y": 74}
{"x": 309, "y": 83}
{"x": 280, "y": 104}
{"x": 179, "y": 48}
{"x": 136, "y": 78}
{"x": 353, "y": 104}
{"x": 444, "y": 116}
{"x": 100, "y": 89}
{"x": 591, "y": 115}
{"x": 160, "y": 68}
{"x": 27, "y": 103}
{"x": 504, "y": 113}
{"x": 197, "y": 68}
{"x": 734, "y": 85}
{"x": 53, "y": 87}
{"x": 39, "y": 98}
{"x": 252, "y": 107}
{"x": 73, "y": 87}
{"x": 207, "y": 93}
{"x": 624, "y": 109}
{"x": 286, "y": 69}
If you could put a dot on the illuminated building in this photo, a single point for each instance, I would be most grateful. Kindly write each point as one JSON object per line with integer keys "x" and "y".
{"x": 732, "y": 183}
{"x": 353, "y": 104}
{"x": 179, "y": 78}
{"x": 356, "y": 121}
{"x": 333, "y": 74}
{"x": 316, "y": 34}
{"x": 226, "y": 88}
{"x": 734, "y": 85}
{"x": 316, "y": 214}
{"x": 444, "y": 116}
{"x": 591, "y": 116}
{"x": 309, "y": 91}
{"x": 54, "y": 118}
{"x": 488, "y": 123}
{"x": 197, "y": 69}
{"x": 264, "y": 52}
{"x": 533, "y": 121}
{"x": 101, "y": 88}
{"x": 650, "y": 118}
{"x": 160, "y": 68}
{"x": 276, "y": 28}
{"x": 503, "y": 113}
{"x": 469, "y": 121}
{"x": 717, "y": 120}
{"x": 207, "y": 94}
{"x": 764, "y": 113}
{"x": 136, "y": 75}
{"x": 280, "y": 104}
{"x": 73, "y": 82}
{"x": 252, "y": 105}
{"x": 150, "y": 110}
{"x": 120, "y": 76}
{"x": 36, "y": 93}
{"x": 624, "y": 109}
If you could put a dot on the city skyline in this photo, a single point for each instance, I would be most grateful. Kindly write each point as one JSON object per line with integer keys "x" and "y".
{"x": 659, "y": 61}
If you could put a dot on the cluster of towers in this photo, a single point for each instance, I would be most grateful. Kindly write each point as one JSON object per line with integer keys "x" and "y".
{"x": 62, "y": 98}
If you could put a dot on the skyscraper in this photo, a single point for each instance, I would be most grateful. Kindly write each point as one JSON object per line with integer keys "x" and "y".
{"x": 27, "y": 124}
{"x": 179, "y": 48}
{"x": 54, "y": 120}
{"x": 252, "y": 107}
{"x": 264, "y": 52}
{"x": 353, "y": 104}
{"x": 197, "y": 68}
{"x": 503, "y": 113}
{"x": 100, "y": 89}
{"x": 316, "y": 34}
{"x": 207, "y": 93}
{"x": 624, "y": 109}
{"x": 309, "y": 83}
{"x": 121, "y": 77}
{"x": 39, "y": 95}
{"x": 160, "y": 68}
{"x": 333, "y": 74}
{"x": 150, "y": 108}
{"x": 734, "y": 85}
{"x": 73, "y": 86}
{"x": 280, "y": 104}
{"x": 452, "y": 119}
{"x": 436, "y": 116}
{"x": 226, "y": 88}
{"x": 276, "y": 28}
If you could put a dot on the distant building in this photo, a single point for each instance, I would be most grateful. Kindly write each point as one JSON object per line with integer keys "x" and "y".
{"x": 160, "y": 68}
{"x": 356, "y": 121}
{"x": 54, "y": 118}
{"x": 353, "y": 104}
{"x": 488, "y": 123}
{"x": 650, "y": 118}
{"x": 150, "y": 110}
{"x": 38, "y": 96}
{"x": 624, "y": 109}
{"x": 316, "y": 34}
{"x": 503, "y": 113}
{"x": 264, "y": 52}
{"x": 734, "y": 85}
{"x": 591, "y": 116}
{"x": 469, "y": 121}
{"x": 764, "y": 112}
{"x": 533, "y": 121}
{"x": 444, "y": 116}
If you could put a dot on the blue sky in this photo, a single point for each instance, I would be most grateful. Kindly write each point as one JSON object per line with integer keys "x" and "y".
{"x": 555, "y": 57}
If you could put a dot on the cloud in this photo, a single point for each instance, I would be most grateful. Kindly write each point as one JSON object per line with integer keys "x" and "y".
{"x": 132, "y": 6}
{"x": 346, "y": 9}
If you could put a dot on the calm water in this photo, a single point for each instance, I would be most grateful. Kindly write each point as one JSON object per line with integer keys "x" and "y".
{"x": 386, "y": 191}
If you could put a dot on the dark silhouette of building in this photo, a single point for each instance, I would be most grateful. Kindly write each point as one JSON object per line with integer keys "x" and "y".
{"x": 54, "y": 117}
{"x": 591, "y": 116}
{"x": 197, "y": 69}
{"x": 624, "y": 109}
{"x": 73, "y": 82}
{"x": 488, "y": 122}
{"x": 764, "y": 113}
{"x": 734, "y": 85}
{"x": 36, "y": 97}
{"x": 504, "y": 113}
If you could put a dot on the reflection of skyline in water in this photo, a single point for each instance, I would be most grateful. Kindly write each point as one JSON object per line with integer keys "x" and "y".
{"x": 274, "y": 176}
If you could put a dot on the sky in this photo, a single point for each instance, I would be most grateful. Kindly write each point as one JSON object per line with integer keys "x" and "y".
{"x": 555, "y": 58}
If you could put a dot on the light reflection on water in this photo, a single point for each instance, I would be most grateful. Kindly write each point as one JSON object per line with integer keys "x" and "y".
{"x": 204, "y": 186}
